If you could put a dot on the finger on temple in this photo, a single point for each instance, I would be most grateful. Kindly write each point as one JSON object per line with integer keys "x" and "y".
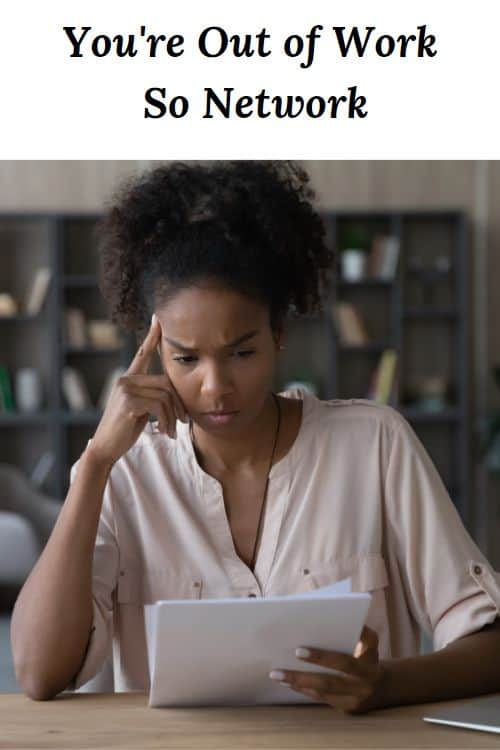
{"x": 142, "y": 359}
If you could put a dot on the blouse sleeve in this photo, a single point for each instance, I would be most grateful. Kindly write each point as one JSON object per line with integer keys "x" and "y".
{"x": 105, "y": 565}
{"x": 451, "y": 588}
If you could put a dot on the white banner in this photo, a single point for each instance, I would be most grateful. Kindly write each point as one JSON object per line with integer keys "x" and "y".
{"x": 357, "y": 79}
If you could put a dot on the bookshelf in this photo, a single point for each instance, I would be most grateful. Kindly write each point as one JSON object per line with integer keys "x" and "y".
{"x": 66, "y": 245}
{"x": 422, "y": 313}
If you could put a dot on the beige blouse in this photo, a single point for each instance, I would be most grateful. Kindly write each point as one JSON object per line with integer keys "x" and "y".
{"x": 356, "y": 495}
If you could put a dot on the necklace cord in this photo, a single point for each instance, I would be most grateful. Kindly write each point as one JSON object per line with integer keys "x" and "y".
{"x": 264, "y": 497}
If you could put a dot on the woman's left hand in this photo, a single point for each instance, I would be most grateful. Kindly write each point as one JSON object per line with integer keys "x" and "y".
{"x": 356, "y": 690}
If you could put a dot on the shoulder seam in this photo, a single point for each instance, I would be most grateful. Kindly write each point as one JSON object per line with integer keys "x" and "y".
{"x": 386, "y": 412}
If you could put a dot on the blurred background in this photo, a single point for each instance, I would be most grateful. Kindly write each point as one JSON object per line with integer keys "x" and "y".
{"x": 410, "y": 319}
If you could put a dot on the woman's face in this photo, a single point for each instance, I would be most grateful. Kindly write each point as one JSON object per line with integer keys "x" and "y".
{"x": 219, "y": 351}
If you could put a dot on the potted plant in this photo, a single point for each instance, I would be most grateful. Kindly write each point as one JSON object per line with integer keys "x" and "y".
{"x": 354, "y": 246}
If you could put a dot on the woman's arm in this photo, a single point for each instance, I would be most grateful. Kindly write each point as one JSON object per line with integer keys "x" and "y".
{"x": 450, "y": 587}
{"x": 52, "y": 617}
{"x": 360, "y": 683}
{"x": 469, "y": 666}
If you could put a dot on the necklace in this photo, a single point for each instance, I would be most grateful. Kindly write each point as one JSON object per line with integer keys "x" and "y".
{"x": 264, "y": 496}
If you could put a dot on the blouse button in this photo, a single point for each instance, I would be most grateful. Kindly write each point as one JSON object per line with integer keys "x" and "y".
{"x": 478, "y": 570}
{"x": 252, "y": 596}
{"x": 306, "y": 571}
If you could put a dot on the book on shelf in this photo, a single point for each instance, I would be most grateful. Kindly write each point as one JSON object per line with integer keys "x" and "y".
{"x": 6, "y": 397}
{"x": 75, "y": 390}
{"x": 75, "y": 328}
{"x": 8, "y": 305}
{"x": 103, "y": 334}
{"x": 384, "y": 257}
{"x": 38, "y": 291}
{"x": 375, "y": 256}
{"x": 394, "y": 394}
{"x": 42, "y": 468}
{"x": 111, "y": 379}
{"x": 384, "y": 379}
{"x": 349, "y": 324}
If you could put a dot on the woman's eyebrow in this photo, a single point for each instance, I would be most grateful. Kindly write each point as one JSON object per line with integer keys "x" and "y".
{"x": 237, "y": 341}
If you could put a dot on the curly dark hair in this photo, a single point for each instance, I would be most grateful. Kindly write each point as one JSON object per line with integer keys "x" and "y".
{"x": 248, "y": 225}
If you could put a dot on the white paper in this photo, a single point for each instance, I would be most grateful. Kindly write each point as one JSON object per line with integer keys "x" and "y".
{"x": 220, "y": 651}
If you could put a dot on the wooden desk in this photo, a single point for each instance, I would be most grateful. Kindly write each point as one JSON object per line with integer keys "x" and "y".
{"x": 124, "y": 720}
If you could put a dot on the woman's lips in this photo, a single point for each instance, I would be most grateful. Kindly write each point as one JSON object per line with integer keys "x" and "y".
{"x": 221, "y": 417}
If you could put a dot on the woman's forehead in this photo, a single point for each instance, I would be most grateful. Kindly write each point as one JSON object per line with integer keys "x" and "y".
{"x": 211, "y": 316}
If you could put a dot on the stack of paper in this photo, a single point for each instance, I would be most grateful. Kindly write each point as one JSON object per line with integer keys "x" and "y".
{"x": 220, "y": 651}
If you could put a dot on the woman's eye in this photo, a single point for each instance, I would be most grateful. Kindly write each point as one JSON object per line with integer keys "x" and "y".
{"x": 189, "y": 360}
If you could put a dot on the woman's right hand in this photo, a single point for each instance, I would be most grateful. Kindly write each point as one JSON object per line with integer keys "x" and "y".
{"x": 133, "y": 397}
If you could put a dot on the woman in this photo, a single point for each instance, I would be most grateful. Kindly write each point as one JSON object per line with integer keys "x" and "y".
{"x": 236, "y": 490}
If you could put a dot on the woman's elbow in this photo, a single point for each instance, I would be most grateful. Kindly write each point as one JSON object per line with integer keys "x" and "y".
{"x": 38, "y": 693}
{"x": 34, "y": 686}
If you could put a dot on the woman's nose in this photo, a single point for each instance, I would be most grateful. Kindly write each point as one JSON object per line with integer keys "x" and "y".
{"x": 216, "y": 381}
